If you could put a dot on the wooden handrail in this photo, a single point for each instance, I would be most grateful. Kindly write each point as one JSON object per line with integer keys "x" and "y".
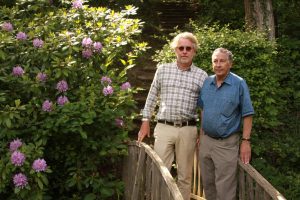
{"x": 145, "y": 175}
{"x": 252, "y": 185}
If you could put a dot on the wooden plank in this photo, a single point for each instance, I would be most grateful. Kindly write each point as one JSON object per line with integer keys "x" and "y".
{"x": 258, "y": 192}
{"x": 136, "y": 192}
{"x": 241, "y": 185}
{"x": 249, "y": 184}
{"x": 148, "y": 181}
{"x": 196, "y": 197}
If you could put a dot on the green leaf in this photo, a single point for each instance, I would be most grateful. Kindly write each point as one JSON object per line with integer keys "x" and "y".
{"x": 83, "y": 134}
{"x": 17, "y": 102}
{"x": 40, "y": 183}
{"x": 8, "y": 122}
{"x": 90, "y": 196}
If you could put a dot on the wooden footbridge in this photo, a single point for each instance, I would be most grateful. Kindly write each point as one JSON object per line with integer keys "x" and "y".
{"x": 146, "y": 178}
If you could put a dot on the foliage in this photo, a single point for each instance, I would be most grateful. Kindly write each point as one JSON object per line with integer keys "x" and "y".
{"x": 221, "y": 12}
{"x": 64, "y": 93}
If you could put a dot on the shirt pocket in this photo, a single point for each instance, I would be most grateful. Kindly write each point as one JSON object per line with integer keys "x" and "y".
{"x": 228, "y": 106}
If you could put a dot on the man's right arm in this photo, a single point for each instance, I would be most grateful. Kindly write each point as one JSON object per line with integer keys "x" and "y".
{"x": 149, "y": 107}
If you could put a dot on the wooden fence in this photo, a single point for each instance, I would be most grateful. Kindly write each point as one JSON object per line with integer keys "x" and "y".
{"x": 146, "y": 178}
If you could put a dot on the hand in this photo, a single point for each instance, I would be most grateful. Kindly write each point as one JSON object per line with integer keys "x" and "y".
{"x": 144, "y": 131}
{"x": 245, "y": 152}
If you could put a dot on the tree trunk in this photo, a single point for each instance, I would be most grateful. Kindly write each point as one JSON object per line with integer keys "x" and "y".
{"x": 259, "y": 15}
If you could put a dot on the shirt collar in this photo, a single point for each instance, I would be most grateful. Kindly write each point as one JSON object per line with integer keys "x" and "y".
{"x": 228, "y": 80}
{"x": 189, "y": 69}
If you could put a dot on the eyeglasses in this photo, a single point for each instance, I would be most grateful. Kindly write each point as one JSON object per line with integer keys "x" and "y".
{"x": 181, "y": 48}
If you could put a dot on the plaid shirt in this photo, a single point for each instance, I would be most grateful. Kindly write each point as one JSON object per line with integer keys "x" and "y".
{"x": 177, "y": 92}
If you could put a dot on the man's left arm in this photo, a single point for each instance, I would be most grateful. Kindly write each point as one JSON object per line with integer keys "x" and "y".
{"x": 245, "y": 148}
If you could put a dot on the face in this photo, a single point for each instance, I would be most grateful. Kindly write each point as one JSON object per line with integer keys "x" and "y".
{"x": 185, "y": 52}
{"x": 221, "y": 64}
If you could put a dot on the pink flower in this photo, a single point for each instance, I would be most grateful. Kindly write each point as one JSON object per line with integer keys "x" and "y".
{"x": 18, "y": 71}
{"x": 77, "y": 4}
{"x": 17, "y": 158}
{"x": 15, "y": 144}
{"x": 125, "y": 86}
{"x": 97, "y": 46}
{"x": 7, "y": 26}
{"x": 47, "y": 106}
{"x": 87, "y": 53}
{"x": 62, "y": 100}
{"x": 105, "y": 80}
{"x": 20, "y": 180}
{"x": 39, "y": 165}
{"x": 42, "y": 77}
{"x": 87, "y": 42}
{"x": 38, "y": 43}
{"x": 21, "y": 36}
{"x": 108, "y": 90}
{"x": 62, "y": 86}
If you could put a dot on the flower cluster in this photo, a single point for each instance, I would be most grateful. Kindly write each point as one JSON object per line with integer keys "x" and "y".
{"x": 62, "y": 86}
{"x": 125, "y": 86}
{"x": 90, "y": 47}
{"x": 39, "y": 165}
{"x": 18, "y": 158}
{"x": 38, "y": 43}
{"x": 47, "y": 106}
{"x": 15, "y": 145}
{"x": 42, "y": 77}
{"x": 7, "y": 26}
{"x": 18, "y": 71}
{"x": 62, "y": 100}
{"x": 77, "y": 4}
{"x": 21, "y": 36}
{"x": 20, "y": 180}
{"x": 108, "y": 90}
{"x": 105, "y": 80}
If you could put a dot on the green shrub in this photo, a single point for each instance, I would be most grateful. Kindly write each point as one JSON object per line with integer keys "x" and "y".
{"x": 64, "y": 93}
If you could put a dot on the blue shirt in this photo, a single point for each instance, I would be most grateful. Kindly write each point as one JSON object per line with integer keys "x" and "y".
{"x": 224, "y": 107}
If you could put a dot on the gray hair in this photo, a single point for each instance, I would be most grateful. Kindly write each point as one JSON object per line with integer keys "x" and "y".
{"x": 226, "y": 51}
{"x": 185, "y": 35}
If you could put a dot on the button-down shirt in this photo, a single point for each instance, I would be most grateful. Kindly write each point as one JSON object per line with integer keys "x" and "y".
{"x": 176, "y": 91}
{"x": 224, "y": 107}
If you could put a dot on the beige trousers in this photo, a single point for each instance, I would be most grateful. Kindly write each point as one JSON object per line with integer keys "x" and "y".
{"x": 177, "y": 142}
{"x": 218, "y": 166}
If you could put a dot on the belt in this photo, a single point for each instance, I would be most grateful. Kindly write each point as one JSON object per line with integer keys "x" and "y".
{"x": 179, "y": 123}
{"x": 219, "y": 138}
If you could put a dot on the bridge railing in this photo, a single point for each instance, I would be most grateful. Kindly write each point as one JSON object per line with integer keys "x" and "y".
{"x": 146, "y": 177}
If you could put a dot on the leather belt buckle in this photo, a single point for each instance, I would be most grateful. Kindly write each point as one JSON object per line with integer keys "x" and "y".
{"x": 178, "y": 123}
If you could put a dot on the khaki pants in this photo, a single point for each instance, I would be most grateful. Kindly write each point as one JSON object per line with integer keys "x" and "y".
{"x": 218, "y": 166}
{"x": 170, "y": 140}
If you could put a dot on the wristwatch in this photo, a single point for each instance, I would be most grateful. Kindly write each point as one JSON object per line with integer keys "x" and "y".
{"x": 246, "y": 139}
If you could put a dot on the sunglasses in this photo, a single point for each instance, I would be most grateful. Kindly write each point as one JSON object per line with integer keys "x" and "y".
{"x": 181, "y": 48}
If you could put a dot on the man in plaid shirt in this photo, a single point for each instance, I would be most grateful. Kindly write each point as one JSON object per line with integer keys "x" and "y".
{"x": 176, "y": 85}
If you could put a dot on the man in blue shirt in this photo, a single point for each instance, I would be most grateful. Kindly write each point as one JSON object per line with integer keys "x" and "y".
{"x": 226, "y": 106}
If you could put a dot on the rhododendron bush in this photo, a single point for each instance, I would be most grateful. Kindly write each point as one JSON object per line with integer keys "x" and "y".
{"x": 66, "y": 105}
